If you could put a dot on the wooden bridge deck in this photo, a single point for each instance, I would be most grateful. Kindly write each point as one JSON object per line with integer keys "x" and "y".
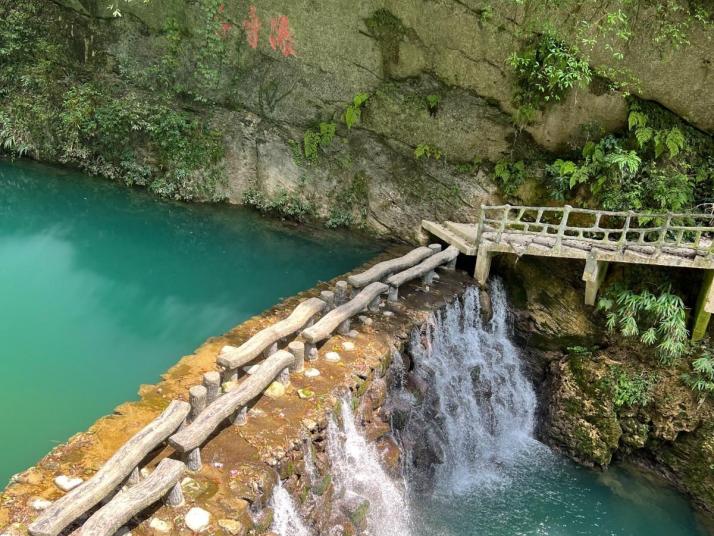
{"x": 596, "y": 236}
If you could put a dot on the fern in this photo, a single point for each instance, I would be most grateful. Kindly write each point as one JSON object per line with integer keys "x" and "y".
{"x": 657, "y": 320}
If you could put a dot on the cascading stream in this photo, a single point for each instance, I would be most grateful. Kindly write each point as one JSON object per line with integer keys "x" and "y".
{"x": 286, "y": 518}
{"x": 484, "y": 404}
{"x": 360, "y": 478}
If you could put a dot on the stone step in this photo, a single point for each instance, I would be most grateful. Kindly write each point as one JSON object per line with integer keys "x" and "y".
{"x": 450, "y": 237}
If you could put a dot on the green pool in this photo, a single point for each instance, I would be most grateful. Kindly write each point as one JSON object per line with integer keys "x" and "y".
{"x": 102, "y": 288}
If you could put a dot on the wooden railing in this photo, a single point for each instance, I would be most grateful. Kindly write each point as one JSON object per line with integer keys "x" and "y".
{"x": 188, "y": 426}
{"x": 657, "y": 232}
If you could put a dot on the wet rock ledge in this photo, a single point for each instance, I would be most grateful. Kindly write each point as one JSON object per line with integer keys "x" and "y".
{"x": 242, "y": 464}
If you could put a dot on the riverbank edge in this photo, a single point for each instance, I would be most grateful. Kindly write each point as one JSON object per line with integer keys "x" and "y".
{"x": 243, "y": 462}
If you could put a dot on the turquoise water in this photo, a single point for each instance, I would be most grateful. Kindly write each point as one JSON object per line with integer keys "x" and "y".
{"x": 543, "y": 494}
{"x": 102, "y": 288}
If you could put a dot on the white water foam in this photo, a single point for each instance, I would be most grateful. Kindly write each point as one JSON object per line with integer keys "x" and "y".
{"x": 286, "y": 518}
{"x": 359, "y": 476}
{"x": 486, "y": 405}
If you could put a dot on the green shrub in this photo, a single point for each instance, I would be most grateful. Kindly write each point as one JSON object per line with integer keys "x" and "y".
{"x": 287, "y": 205}
{"x": 510, "y": 176}
{"x": 630, "y": 389}
{"x": 657, "y": 319}
{"x": 546, "y": 70}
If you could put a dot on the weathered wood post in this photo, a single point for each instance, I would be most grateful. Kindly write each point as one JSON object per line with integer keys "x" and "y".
{"x": 329, "y": 298}
{"x": 593, "y": 276}
{"x": 344, "y": 327}
{"x": 212, "y": 383}
{"x": 374, "y": 304}
{"x": 297, "y": 348}
{"x": 562, "y": 226}
{"x": 342, "y": 293}
{"x": 705, "y": 307}
{"x": 197, "y": 397}
{"x": 393, "y": 295}
{"x": 240, "y": 417}
{"x": 310, "y": 351}
{"x": 483, "y": 264}
{"x": 175, "y": 496}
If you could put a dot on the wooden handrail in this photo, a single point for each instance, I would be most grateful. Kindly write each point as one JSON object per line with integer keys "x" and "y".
{"x": 328, "y": 323}
{"x": 65, "y": 510}
{"x": 111, "y": 517}
{"x": 382, "y": 269}
{"x": 196, "y": 433}
{"x": 231, "y": 357}
{"x": 671, "y": 233}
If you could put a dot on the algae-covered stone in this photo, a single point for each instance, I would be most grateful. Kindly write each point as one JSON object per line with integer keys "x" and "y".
{"x": 233, "y": 527}
{"x": 275, "y": 390}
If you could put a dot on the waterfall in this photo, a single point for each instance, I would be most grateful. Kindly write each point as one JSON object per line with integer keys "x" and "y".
{"x": 286, "y": 519}
{"x": 359, "y": 477}
{"x": 479, "y": 406}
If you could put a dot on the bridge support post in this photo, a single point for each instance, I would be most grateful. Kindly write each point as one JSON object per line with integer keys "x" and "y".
{"x": 705, "y": 307}
{"x": 593, "y": 276}
{"x": 483, "y": 264}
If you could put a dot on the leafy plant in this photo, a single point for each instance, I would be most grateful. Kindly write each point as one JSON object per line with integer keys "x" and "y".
{"x": 510, "y": 176}
{"x": 353, "y": 113}
{"x": 287, "y": 205}
{"x": 432, "y": 103}
{"x": 630, "y": 389}
{"x": 314, "y": 139}
{"x": 546, "y": 70}
{"x": 424, "y": 150}
{"x": 656, "y": 319}
{"x": 702, "y": 378}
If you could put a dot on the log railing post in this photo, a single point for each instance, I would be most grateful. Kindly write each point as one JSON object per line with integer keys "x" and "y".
{"x": 297, "y": 348}
{"x": 504, "y": 220}
{"x": 562, "y": 226}
{"x": 197, "y": 398}
{"x": 341, "y": 293}
{"x": 625, "y": 229}
{"x": 212, "y": 383}
{"x": 175, "y": 496}
{"x": 663, "y": 232}
{"x": 481, "y": 223}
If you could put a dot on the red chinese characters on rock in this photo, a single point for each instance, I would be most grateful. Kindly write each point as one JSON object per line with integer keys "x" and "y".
{"x": 281, "y": 36}
{"x": 252, "y": 26}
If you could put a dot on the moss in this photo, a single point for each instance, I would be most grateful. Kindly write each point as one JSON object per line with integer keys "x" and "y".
{"x": 321, "y": 487}
{"x": 389, "y": 31}
{"x": 359, "y": 516}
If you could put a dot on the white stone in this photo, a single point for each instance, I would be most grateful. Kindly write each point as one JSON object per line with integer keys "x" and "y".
{"x": 39, "y": 504}
{"x": 388, "y": 313}
{"x": 333, "y": 357}
{"x": 311, "y": 372}
{"x": 367, "y": 321}
{"x": 348, "y": 346}
{"x": 197, "y": 519}
{"x": 159, "y": 525}
{"x": 353, "y": 334}
{"x": 275, "y": 390}
{"x": 66, "y": 483}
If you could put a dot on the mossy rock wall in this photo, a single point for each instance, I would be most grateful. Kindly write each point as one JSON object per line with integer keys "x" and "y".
{"x": 263, "y": 73}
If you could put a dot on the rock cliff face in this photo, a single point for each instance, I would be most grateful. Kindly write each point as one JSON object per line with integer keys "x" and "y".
{"x": 588, "y": 407}
{"x": 286, "y": 66}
